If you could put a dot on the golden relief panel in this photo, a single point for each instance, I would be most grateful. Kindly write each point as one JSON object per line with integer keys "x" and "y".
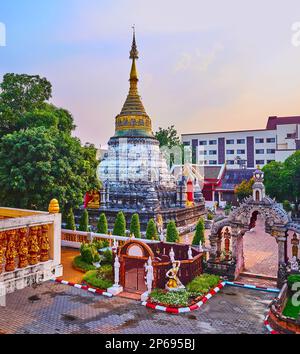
{"x": 133, "y": 122}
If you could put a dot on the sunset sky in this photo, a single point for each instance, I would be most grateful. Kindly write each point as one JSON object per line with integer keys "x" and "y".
{"x": 204, "y": 65}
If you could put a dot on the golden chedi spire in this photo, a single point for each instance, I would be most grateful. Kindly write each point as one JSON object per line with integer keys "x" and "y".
{"x": 133, "y": 119}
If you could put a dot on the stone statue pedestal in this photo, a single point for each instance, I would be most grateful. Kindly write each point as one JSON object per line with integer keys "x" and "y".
{"x": 115, "y": 290}
{"x": 144, "y": 296}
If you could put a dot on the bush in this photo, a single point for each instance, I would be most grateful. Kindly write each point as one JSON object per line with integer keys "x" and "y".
{"x": 172, "y": 232}
{"x": 151, "y": 232}
{"x": 84, "y": 221}
{"x": 108, "y": 257}
{"x": 94, "y": 279}
{"x": 102, "y": 227}
{"x": 71, "y": 221}
{"x": 105, "y": 272}
{"x": 135, "y": 227}
{"x": 171, "y": 298}
{"x": 203, "y": 283}
{"x": 89, "y": 253}
{"x": 120, "y": 225}
{"x": 78, "y": 262}
{"x": 287, "y": 206}
{"x": 210, "y": 216}
{"x": 199, "y": 234}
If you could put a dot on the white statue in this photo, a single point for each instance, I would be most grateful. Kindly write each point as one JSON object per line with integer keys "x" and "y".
{"x": 149, "y": 275}
{"x": 172, "y": 255}
{"x": 190, "y": 253}
{"x": 294, "y": 264}
{"x": 162, "y": 237}
{"x": 117, "y": 271}
{"x": 200, "y": 246}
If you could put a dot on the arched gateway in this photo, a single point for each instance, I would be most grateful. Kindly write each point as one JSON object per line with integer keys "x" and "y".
{"x": 229, "y": 261}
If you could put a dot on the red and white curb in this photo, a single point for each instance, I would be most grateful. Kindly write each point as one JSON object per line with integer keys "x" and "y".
{"x": 186, "y": 309}
{"x": 254, "y": 287}
{"x": 268, "y": 326}
{"x": 84, "y": 287}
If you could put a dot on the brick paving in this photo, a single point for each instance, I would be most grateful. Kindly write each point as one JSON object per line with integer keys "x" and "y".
{"x": 56, "y": 308}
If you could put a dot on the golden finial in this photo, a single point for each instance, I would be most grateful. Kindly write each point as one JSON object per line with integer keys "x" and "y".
{"x": 53, "y": 207}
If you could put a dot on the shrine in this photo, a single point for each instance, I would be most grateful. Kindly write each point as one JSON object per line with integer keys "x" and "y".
{"x": 134, "y": 172}
{"x": 133, "y": 258}
{"x": 226, "y": 256}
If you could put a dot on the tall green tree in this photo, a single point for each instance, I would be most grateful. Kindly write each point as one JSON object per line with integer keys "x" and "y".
{"x": 84, "y": 221}
{"x": 102, "y": 227}
{"x": 199, "y": 234}
{"x": 71, "y": 221}
{"x": 276, "y": 185}
{"x": 39, "y": 158}
{"x": 172, "y": 232}
{"x": 168, "y": 137}
{"x": 244, "y": 189}
{"x": 135, "y": 227}
{"x": 120, "y": 225}
{"x": 151, "y": 232}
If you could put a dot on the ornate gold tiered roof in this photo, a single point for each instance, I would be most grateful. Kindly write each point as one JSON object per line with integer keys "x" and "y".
{"x": 133, "y": 119}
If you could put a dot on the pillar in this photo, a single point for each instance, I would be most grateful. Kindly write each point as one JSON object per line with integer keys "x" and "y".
{"x": 281, "y": 275}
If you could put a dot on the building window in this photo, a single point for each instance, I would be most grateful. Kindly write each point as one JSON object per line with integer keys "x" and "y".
{"x": 212, "y": 152}
{"x": 259, "y": 151}
{"x": 213, "y": 142}
{"x": 202, "y": 142}
{"x": 186, "y": 143}
{"x": 271, "y": 140}
{"x": 230, "y": 162}
{"x": 241, "y": 141}
{"x": 230, "y": 152}
{"x": 260, "y": 162}
{"x": 259, "y": 140}
{"x": 241, "y": 152}
{"x": 229, "y": 141}
{"x": 202, "y": 152}
{"x": 269, "y": 161}
{"x": 212, "y": 162}
{"x": 270, "y": 151}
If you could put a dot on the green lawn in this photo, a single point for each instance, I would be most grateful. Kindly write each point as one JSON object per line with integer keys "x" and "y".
{"x": 291, "y": 310}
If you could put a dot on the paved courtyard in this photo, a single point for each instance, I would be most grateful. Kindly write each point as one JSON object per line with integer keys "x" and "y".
{"x": 55, "y": 308}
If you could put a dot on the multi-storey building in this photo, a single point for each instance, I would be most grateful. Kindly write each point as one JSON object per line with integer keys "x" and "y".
{"x": 247, "y": 148}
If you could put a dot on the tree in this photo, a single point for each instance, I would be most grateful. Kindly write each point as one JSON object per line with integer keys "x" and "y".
{"x": 172, "y": 232}
{"x": 102, "y": 227}
{"x": 120, "y": 225}
{"x": 21, "y": 94}
{"x": 167, "y": 137}
{"x": 71, "y": 221}
{"x": 39, "y": 164}
{"x": 151, "y": 232}
{"x": 199, "y": 234}
{"x": 274, "y": 180}
{"x": 84, "y": 221}
{"x": 244, "y": 189}
{"x": 135, "y": 227}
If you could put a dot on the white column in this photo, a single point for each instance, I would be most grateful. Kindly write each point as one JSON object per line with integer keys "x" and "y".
{"x": 2, "y": 295}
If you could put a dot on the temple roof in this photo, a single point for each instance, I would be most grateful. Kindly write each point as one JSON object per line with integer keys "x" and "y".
{"x": 133, "y": 119}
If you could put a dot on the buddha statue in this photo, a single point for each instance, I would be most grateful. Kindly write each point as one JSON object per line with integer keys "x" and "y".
{"x": 94, "y": 200}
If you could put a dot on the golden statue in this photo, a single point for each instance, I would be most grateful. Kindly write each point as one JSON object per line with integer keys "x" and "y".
{"x": 33, "y": 246}
{"x": 174, "y": 283}
{"x": 11, "y": 252}
{"x": 44, "y": 244}
{"x": 23, "y": 248}
{"x": 94, "y": 202}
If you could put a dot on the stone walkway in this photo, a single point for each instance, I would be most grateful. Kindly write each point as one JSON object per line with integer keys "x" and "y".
{"x": 55, "y": 308}
{"x": 69, "y": 273}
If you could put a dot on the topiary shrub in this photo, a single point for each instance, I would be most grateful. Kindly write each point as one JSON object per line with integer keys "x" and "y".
{"x": 172, "y": 232}
{"x": 108, "y": 257}
{"x": 102, "y": 226}
{"x": 210, "y": 216}
{"x": 94, "y": 279}
{"x": 135, "y": 227}
{"x": 84, "y": 221}
{"x": 120, "y": 225}
{"x": 151, "y": 232}
{"x": 71, "y": 221}
{"x": 199, "y": 234}
{"x": 89, "y": 253}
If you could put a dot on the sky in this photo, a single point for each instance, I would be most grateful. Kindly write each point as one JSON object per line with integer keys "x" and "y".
{"x": 204, "y": 65}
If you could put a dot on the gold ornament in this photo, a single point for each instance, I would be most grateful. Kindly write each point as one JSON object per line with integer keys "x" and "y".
{"x": 53, "y": 207}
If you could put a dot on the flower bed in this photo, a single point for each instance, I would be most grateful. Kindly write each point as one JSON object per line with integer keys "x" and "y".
{"x": 195, "y": 291}
{"x": 101, "y": 278}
